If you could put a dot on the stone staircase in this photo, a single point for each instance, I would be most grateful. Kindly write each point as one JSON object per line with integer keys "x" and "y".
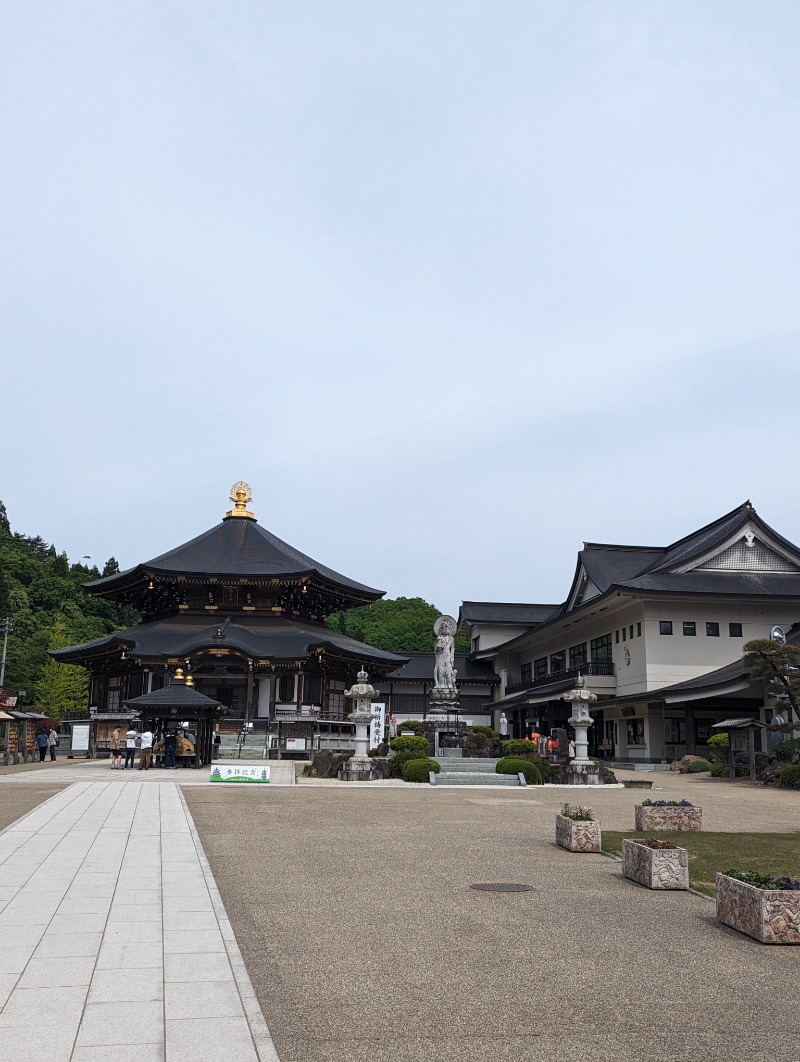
{"x": 472, "y": 772}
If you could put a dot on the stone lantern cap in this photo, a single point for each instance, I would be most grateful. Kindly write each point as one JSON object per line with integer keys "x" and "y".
{"x": 362, "y": 689}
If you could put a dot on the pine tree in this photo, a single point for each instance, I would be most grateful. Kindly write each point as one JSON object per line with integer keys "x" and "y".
{"x": 62, "y": 687}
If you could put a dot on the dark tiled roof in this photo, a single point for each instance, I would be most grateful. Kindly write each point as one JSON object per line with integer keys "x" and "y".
{"x": 724, "y": 583}
{"x": 504, "y": 612}
{"x": 276, "y": 638}
{"x": 713, "y": 534}
{"x": 236, "y": 547}
{"x": 178, "y": 695}
{"x": 606, "y": 565}
{"x": 420, "y": 669}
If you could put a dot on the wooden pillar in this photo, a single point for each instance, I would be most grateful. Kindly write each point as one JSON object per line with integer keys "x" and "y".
{"x": 248, "y": 711}
{"x": 751, "y": 748}
{"x": 691, "y": 737}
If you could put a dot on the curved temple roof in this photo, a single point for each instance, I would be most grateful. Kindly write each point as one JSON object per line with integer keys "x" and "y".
{"x": 234, "y": 548}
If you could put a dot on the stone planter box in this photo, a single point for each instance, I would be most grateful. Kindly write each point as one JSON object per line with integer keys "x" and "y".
{"x": 655, "y": 868}
{"x": 649, "y": 818}
{"x": 578, "y": 836}
{"x": 769, "y": 915}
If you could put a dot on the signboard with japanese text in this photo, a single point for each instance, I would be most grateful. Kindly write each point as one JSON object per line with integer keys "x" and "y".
{"x": 237, "y": 773}
{"x": 377, "y": 724}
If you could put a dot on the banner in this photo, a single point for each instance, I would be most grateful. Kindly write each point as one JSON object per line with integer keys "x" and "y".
{"x": 239, "y": 774}
{"x": 377, "y": 724}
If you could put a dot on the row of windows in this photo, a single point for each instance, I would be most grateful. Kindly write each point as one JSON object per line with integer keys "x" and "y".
{"x": 690, "y": 629}
{"x": 598, "y": 650}
{"x": 627, "y": 636}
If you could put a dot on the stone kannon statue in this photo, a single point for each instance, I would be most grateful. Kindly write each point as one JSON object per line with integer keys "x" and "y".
{"x": 444, "y": 672}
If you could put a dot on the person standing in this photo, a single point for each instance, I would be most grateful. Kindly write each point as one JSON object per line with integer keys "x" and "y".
{"x": 145, "y": 750}
{"x": 52, "y": 744}
{"x": 42, "y": 742}
{"x": 216, "y": 743}
{"x": 116, "y": 751}
{"x": 130, "y": 748}
{"x": 170, "y": 745}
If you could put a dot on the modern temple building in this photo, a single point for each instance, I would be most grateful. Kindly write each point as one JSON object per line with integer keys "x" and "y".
{"x": 657, "y": 633}
{"x": 244, "y": 614}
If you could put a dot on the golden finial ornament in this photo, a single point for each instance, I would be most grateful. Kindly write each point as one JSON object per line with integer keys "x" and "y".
{"x": 241, "y": 493}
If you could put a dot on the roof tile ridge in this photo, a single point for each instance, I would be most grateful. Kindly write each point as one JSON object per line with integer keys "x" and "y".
{"x": 743, "y": 512}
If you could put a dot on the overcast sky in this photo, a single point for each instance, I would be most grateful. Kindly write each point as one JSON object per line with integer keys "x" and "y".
{"x": 454, "y": 285}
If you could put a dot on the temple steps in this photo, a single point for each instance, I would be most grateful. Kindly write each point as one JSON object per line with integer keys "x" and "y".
{"x": 472, "y": 772}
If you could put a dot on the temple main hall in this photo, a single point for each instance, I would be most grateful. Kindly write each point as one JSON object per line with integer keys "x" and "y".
{"x": 244, "y": 614}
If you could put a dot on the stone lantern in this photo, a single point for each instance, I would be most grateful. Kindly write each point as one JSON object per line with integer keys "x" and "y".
{"x": 581, "y": 770}
{"x": 359, "y": 766}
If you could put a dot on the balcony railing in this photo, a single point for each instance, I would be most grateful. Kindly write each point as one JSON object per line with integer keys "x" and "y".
{"x": 605, "y": 669}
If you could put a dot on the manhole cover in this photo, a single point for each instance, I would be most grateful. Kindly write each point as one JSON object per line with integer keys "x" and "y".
{"x": 501, "y": 886}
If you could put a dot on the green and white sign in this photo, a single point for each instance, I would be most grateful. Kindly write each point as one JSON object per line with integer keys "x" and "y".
{"x": 239, "y": 774}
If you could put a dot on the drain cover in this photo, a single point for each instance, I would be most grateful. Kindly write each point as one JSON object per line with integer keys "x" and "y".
{"x": 501, "y": 886}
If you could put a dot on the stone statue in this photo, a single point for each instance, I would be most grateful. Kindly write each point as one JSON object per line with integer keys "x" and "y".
{"x": 444, "y": 672}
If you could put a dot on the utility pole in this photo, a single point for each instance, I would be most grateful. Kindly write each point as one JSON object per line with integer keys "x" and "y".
{"x": 7, "y": 627}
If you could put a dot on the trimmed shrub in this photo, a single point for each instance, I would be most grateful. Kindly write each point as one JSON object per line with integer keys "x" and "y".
{"x": 487, "y": 732}
{"x": 517, "y": 765}
{"x": 520, "y": 747}
{"x": 717, "y": 769}
{"x": 418, "y": 770}
{"x": 698, "y": 765}
{"x": 718, "y": 748}
{"x": 790, "y": 776}
{"x": 787, "y": 751}
{"x": 412, "y": 724}
{"x": 405, "y": 749}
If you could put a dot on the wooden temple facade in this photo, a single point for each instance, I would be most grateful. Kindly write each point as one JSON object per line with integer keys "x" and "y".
{"x": 244, "y": 614}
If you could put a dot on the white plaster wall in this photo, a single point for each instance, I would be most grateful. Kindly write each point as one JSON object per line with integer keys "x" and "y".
{"x": 262, "y": 695}
{"x": 677, "y": 657}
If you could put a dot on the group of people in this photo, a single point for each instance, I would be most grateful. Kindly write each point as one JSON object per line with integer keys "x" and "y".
{"x": 47, "y": 741}
{"x": 128, "y": 744}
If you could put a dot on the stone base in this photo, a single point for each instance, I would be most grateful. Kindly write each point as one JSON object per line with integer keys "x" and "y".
{"x": 583, "y": 774}
{"x": 578, "y": 836}
{"x": 655, "y": 868}
{"x": 771, "y": 916}
{"x": 647, "y": 818}
{"x": 358, "y": 769}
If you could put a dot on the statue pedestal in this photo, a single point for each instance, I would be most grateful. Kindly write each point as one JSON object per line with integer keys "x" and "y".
{"x": 583, "y": 774}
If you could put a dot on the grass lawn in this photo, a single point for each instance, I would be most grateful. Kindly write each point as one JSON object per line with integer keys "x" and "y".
{"x": 768, "y": 853}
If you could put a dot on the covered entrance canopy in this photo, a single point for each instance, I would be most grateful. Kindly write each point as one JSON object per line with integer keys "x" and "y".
{"x": 177, "y": 704}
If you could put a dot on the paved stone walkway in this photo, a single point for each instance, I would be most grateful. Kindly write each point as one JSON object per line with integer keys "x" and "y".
{"x": 113, "y": 937}
{"x": 65, "y": 772}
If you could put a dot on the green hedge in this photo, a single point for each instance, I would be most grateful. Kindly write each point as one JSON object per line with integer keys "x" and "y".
{"x": 418, "y": 770}
{"x": 520, "y": 747}
{"x": 416, "y": 725}
{"x": 405, "y": 749}
{"x": 787, "y": 750}
{"x": 790, "y": 776}
{"x": 698, "y": 765}
{"x": 517, "y": 765}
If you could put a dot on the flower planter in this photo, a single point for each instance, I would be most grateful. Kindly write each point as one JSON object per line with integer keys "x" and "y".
{"x": 769, "y": 915}
{"x": 655, "y": 818}
{"x": 578, "y": 835}
{"x": 655, "y": 868}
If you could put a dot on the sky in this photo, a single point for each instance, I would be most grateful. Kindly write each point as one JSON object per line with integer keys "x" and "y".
{"x": 454, "y": 285}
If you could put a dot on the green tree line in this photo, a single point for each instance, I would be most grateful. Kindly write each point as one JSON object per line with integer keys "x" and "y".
{"x": 41, "y": 595}
{"x": 399, "y": 625}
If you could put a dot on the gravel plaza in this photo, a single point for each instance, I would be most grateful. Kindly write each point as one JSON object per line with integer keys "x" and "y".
{"x": 312, "y": 922}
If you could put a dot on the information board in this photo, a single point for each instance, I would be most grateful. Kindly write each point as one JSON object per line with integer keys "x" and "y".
{"x": 80, "y": 737}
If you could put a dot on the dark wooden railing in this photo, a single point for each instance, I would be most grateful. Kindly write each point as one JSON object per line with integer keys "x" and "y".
{"x": 605, "y": 668}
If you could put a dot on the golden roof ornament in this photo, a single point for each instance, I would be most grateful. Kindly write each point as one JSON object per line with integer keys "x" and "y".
{"x": 241, "y": 493}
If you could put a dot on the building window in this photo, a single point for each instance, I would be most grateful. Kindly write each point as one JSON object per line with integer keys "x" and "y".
{"x": 312, "y": 689}
{"x": 665, "y": 626}
{"x": 540, "y": 668}
{"x": 285, "y": 689}
{"x": 558, "y": 661}
{"x": 712, "y": 630}
{"x": 525, "y": 673}
{"x": 616, "y": 637}
{"x": 636, "y": 731}
{"x": 476, "y": 644}
{"x": 114, "y": 694}
{"x": 336, "y": 690}
{"x": 735, "y": 630}
{"x": 631, "y": 630}
{"x": 601, "y": 650}
{"x": 638, "y": 630}
{"x": 675, "y": 731}
{"x": 689, "y": 629}
{"x": 577, "y": 655}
